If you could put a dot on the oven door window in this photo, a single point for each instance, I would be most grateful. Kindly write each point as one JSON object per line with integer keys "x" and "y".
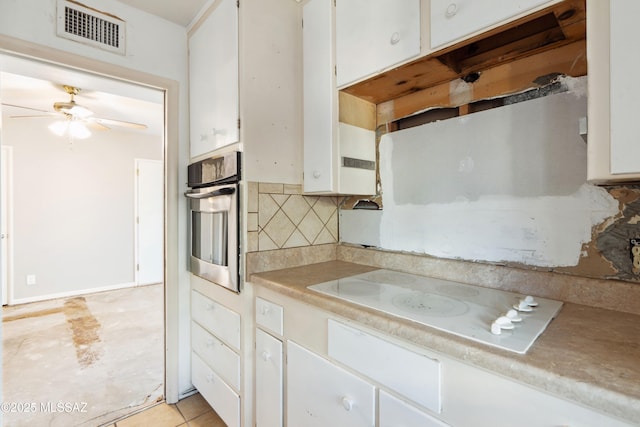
{"x": 210, "y": 238}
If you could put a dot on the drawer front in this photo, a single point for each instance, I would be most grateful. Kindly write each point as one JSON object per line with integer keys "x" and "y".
{"x": 224, "y": 361}
{"x": 321, "y": 394}
{"x": 410, "y": 374}
{"x": 215, "y": 391}
{"x": 269, "y": 315}
{"x": 396, "y": 413}
{"x": 216, "y": 318}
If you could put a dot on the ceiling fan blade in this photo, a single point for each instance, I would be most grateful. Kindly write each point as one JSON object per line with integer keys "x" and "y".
{"x": 47, "y": 116}
{"x": 26, "y": 108}
{"x": 120, "y": 123}
{"x": 95, "y": 125}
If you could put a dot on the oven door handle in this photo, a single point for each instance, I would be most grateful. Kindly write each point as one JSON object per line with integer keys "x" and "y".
{"x": 215, "y": 193}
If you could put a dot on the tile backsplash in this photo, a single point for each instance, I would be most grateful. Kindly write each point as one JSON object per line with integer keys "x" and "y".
{"x": 280, "y": 217}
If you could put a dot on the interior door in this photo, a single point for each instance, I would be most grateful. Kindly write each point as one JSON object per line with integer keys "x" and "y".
{"x": 149, "y": 222}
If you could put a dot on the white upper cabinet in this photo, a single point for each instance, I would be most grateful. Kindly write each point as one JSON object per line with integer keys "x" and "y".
{"x": 320, "y": 103}
{"x": 625, "y": 126}
{"x": 338, "y": 158}
{"x": 613, "y": 151}
{"x": 455, "y": 19}
{"x": 372, "y": 35}
{"x": 213, "y": 80}
{"x": 613, "y": 126}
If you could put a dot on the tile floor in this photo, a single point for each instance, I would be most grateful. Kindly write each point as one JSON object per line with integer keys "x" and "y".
{"x": 192, "y": 411}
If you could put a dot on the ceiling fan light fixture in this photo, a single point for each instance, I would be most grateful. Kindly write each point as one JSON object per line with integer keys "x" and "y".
{"x": 75, "y": 129}
{"x": 78, "y": 130}
{"x": 59, "y": 127}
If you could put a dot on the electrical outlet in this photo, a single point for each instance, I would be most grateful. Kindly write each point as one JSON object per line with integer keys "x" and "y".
{"x": 31, "y": 279}
{"x": 635, "y": 254}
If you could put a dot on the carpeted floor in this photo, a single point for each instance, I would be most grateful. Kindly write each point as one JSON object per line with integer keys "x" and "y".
{"x": 83, "y": 361}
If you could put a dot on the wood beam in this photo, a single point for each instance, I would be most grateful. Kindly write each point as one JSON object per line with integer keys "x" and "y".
{"x": 501, "y": 80}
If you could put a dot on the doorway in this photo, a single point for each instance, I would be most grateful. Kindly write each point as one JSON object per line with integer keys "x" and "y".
{"x": 177, "y": 378}
{"x": 65, "y": 297}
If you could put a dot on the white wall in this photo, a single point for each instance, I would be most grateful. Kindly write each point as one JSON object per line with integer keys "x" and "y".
{"x": 73, "y": 208}
{"x": 158, "y": 48}
{"x": 503, "y": 185}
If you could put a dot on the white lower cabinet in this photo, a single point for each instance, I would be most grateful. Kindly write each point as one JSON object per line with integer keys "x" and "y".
{"x": 215, "y": 355}
{"x": 397, "y": 413}
{"x": 222, "y": 398}
{"x": 269, "y": 392}
{"x": 341, "y": 374}
{"x": 321, "y": 394}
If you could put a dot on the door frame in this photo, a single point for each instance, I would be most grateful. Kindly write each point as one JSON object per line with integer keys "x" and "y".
{"x": 17, "y": 47}
{"x": 7, "y": 214}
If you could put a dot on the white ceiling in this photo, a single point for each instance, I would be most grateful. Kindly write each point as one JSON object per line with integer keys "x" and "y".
{"x": 35, "y": 85}
{"x": 181, "y": 12}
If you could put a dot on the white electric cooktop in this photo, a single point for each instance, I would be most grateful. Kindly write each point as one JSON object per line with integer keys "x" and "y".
{"x": 497, "y": 318}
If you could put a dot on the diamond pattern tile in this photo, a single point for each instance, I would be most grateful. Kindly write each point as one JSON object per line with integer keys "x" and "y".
{"x": 296, "y": 208}
{"x": 279, "y": 228}
{"x": 284, "y": 218}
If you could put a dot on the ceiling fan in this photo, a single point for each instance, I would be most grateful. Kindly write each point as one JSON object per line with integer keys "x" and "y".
{"x": 75, "y": 118}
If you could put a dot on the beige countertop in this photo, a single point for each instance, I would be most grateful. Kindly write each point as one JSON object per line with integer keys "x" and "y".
{"x": 588, "y": 355}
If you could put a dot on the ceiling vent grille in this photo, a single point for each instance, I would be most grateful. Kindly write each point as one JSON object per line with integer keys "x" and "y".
{"x": 79, "y": 23}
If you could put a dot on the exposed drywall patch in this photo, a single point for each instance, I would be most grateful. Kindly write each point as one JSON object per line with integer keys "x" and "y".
{"x": 503, "y": 185}
{"x": 542, "y": 231}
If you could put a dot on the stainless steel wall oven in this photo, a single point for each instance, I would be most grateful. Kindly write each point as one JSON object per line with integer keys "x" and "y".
{"x": 214, "y": 205}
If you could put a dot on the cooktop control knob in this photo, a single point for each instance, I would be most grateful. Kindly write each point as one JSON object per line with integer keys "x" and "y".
{"x": 526, "y": 304}
{"x": 502, "y": 322}
{"x": 513, "y": 316}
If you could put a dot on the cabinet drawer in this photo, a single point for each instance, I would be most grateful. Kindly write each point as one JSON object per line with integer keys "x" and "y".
{"x": 396, "y": 413}
{"x": 224, "y": 361}
{"x": 216, "y": 392}
{"x": 411, "y": 374}
{"x": 216, "y": 318}
{"x": 269, "y": 315}
{"x": 454, "y": 19}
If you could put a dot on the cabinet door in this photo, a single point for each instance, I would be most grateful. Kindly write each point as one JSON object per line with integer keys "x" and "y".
{"x": 213, "y": 80}
{"x": 453, "y": 19}
{"x": 625, "y": 126}
{"x": 320, "y": 394}
{"x": 320, "y": 105}
{"x": 372, "y": 35}
{"x": 269, "y": 402}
